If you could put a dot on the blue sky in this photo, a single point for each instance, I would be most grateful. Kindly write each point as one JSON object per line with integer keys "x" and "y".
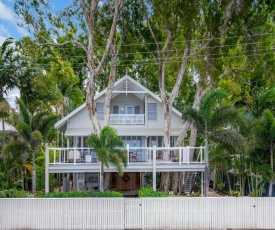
{"x": 9, "y": 28}
{"x": 9, "y": 20}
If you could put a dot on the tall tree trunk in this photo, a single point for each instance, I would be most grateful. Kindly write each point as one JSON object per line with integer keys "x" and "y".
{"x": 175, "y": 182}
{"x": 108, "y": 97}
{"x": 33, "y": 173}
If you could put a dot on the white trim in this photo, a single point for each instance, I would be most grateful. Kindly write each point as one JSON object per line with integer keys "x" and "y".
{"x": 126, "y": 77}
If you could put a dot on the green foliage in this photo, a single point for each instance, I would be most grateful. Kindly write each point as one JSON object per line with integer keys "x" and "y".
{"x": 13, "y": 193}
{"x": 109, "y": 148}
{"x": 81, "y": 194}
{"x": 149, "y": 192}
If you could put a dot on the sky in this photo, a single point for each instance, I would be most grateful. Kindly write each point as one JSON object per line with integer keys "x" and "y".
{"x": 9, "y": 28}
{"x": 8, "y": 22}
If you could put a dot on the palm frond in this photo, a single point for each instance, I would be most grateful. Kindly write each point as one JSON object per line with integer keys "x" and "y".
{"x": 211, "y": 100}
{"x": 224, "y": 116}
{"x": 195, "y": 117}
{"x": 24, "y": 111}
{"x": 25, "y": 130}
{"x": 264, "y": 101}
{"x": 230, "y": 138}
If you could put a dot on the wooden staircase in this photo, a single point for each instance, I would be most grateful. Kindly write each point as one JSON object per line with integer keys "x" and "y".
{"x": 190, "y": 179}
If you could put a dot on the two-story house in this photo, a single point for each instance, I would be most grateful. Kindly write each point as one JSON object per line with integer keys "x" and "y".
{"x": 137, "y": 115}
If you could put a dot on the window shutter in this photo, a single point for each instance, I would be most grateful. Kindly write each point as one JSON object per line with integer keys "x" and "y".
{"x": 100, "y": 111}
{"x": 137, "y": 109}
{"x": 115, "y": 109}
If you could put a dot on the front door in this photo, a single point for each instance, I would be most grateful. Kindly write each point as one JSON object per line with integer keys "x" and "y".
{"x": 128, "y": 181}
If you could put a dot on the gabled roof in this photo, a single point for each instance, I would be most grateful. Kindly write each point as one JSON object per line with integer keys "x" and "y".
{"x": 126, "y": 85}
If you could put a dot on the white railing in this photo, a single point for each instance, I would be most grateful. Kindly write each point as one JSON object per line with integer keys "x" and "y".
{"x": 127, "y": 119}
{"x": 138, "y": 213}
{"x": 146, "y": 155}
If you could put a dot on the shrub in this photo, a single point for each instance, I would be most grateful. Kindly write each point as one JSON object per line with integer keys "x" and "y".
{"x": 82, "y": 194}
{"x": 13, "y": 193}
{"x": 149, "y": 192}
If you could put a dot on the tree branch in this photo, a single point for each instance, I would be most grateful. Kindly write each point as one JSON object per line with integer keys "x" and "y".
{"x": 80, "y": 45}
{"x": 183, "y": 66}
{"x": 152, "y": 32}
{"x": 118, "y": 6}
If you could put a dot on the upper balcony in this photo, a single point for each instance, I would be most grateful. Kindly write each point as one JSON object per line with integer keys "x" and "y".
{"x": 127, "y": 119}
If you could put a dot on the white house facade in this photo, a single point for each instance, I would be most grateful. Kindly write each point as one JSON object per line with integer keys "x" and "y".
{"x": 137, "y": 115}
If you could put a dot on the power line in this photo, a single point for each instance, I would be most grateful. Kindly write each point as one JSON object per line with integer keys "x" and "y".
{"x": 147, "y": 62}
{"x": 152, "y": 43}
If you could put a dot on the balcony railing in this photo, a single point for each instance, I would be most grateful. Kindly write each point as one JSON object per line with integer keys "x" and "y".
{"x": 127, "y": 119}
{"x": 145, "y": 155}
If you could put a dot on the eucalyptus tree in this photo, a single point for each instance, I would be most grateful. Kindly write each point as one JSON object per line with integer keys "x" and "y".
{"x": 216, "y": 121}
{"x": 89, "y": 34}
{"x": 109, "y": 149}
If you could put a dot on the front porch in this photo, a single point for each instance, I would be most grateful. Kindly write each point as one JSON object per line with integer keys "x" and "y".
{"x": 140, "y": 159}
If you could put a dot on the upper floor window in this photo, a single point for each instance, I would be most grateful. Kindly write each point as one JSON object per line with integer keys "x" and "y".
{"x": 126, "y": 109}
{"x": 100, "y": 111}
{"x": 152, "y": 111}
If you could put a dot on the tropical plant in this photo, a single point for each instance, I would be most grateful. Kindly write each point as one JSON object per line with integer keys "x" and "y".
{"x": 34, "y": 129}
{"x": 216, "y": 121}
{"x": 109, "y": 148}
{"x": 264, "y": 133}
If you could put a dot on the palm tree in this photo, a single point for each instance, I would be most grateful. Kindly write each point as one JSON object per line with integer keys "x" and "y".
{"x": 33, "y": 130}
{"x": 215, "y": 120}
{"x": 109, "y": 149}
{"x": 264, "y": 132}
{"x": 8, "y": 67}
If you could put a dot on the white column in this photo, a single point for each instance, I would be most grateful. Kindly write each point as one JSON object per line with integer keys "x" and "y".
{"x": 128, "y": 155}
{"x": 146, "y": 110}
{"x": 47, "y": 189}
{"x": 154, "y": 169}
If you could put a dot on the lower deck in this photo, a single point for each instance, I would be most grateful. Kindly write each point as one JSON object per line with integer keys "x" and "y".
{"x": 82, "y": 161}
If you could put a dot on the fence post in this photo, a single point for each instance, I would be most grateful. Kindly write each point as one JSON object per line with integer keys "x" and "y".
{"x": 47, "y": 170}
{"x": 154, "y": 168}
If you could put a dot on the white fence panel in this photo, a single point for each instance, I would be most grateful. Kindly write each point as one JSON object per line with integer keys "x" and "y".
{"x": 133, "y": 213}
{"x": 137, "y": 213}
{"x": 79, "y": 213}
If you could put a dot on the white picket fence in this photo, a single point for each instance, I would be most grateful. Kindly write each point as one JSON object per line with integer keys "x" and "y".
{"x": 137, "y": 213}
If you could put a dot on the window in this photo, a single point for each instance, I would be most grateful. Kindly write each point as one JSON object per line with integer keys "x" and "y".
{"x": 100, "y": 111}
{"x": 123, "y": 109}
{"x": 152, "y": 111}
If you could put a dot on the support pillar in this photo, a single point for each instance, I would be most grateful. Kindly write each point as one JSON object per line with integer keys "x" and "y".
{"x": 154, "y": 169}
{"x": 47, "y": 183}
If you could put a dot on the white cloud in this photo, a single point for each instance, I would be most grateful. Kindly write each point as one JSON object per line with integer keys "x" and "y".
{"x": 6, "y": 13}
{"x": 2, "y": 39}
{"x": 4, "y": 31}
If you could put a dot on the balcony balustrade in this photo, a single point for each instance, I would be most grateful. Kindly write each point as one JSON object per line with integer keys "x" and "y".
{"x": 127, "y": 119}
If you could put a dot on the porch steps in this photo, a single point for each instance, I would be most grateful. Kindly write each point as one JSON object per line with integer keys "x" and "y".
{"x": 190, "y": 179}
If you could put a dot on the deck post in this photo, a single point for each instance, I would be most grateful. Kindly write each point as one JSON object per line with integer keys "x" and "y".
{"x": 188, "y": 155}
{"x": 74, "y": 155}
{"x": 180, "y": 153}
{"x": 154, "y": 168}
{"x": 202, "y": 176}
{"x": 128, "y": 154}
{"x": 47, "y": 170}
